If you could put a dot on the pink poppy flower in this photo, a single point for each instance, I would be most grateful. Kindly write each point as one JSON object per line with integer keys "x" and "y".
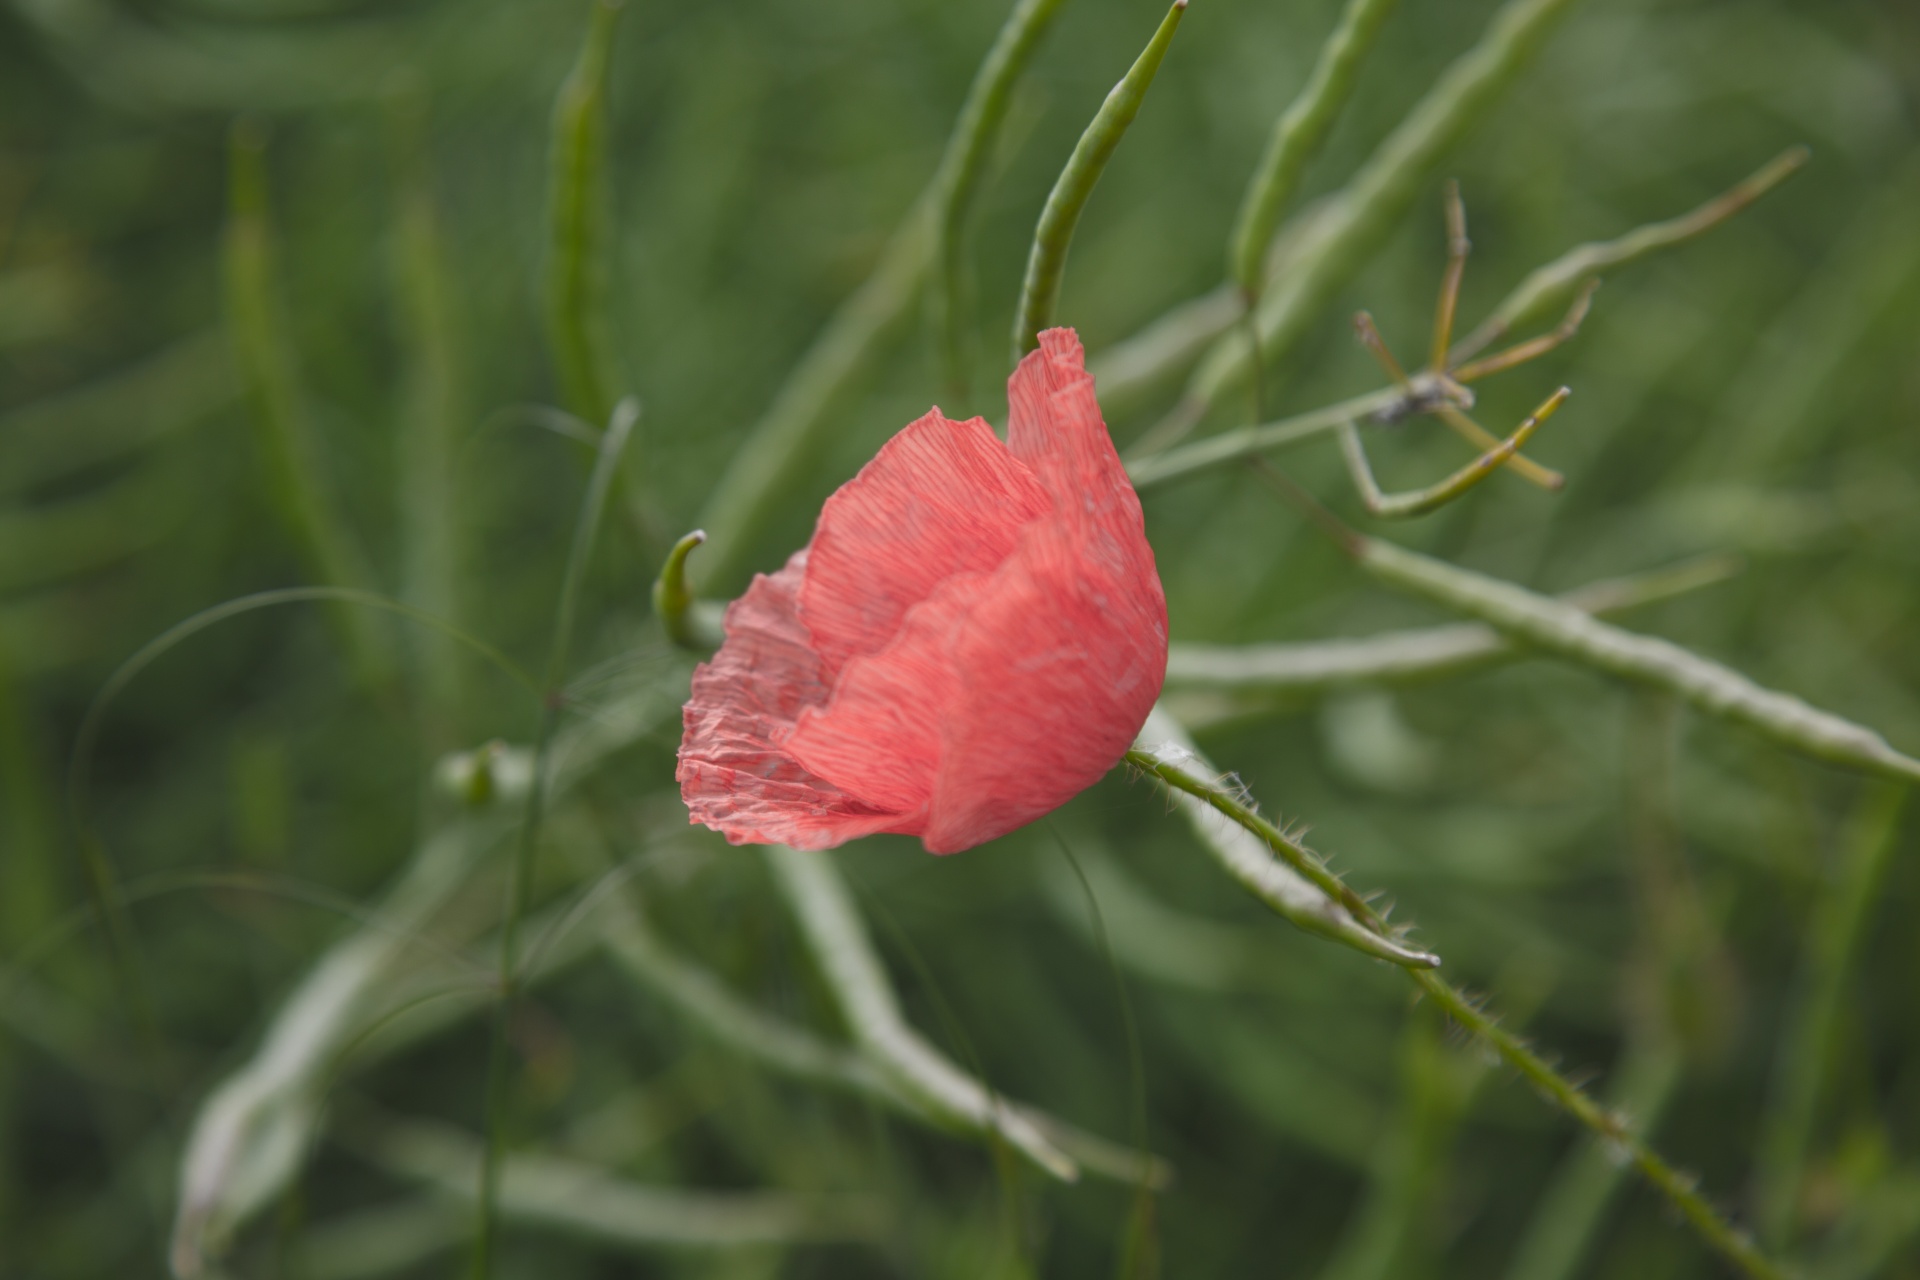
{"x": 972, "y": 638}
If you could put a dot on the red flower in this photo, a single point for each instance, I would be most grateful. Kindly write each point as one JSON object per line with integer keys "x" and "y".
{"x": 972, "y": 638}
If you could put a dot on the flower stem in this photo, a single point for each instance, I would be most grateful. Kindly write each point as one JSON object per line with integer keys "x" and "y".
{"x": 1047, "y": 261}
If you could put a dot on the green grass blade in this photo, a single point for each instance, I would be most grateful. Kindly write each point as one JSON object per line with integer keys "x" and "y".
{"x": 1297, "y": 137}
{"x": 1047, "y": 261}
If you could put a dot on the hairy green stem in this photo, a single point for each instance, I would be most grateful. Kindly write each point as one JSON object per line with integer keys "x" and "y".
{"x": 1297, "y": 137}
{"x": 1047, "y": 261}
{"x": 1565, "y": 631}
{"x": 1567, "y": 1222}
{"x": 963, "y": 171}
{"x": 1678, "y": 1188}
{"x": 499, "y": 1075}
{"x": 1298, "y": 887}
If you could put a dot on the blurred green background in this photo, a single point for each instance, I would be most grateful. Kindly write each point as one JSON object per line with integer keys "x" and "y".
{"x": 1627, "y": 879}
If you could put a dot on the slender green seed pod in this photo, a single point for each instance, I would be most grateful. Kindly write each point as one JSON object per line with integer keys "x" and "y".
{"x": 1562, "y": 629}
{"x": 1047, "y": 262}
{"x": 1366, "y": 210}
{"x": 577, "y": 268}
{"x": 1297, "y": 137}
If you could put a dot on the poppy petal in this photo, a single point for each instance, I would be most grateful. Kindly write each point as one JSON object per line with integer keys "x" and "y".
{"x": 940, "y": 499}
{"x": 733, "y": 774}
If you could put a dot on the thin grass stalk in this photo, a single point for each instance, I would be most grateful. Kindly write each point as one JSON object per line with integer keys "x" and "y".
{"x": 1416, "y": 655}
{"x": 499, "y": 1083}
{"x": 1047, "y": 260}
{"x": 1550, "y": 287}
{"x": 1159, "y": 467}
{"x": 963, "y": 171}
{"x": 577, "y": 323}
{"x": 1563, "y": 630}
{"x": 1367, "y": 208}
{"x": 292, "y": 451}
{"x": 1808, "y": 1044}
{"x": 1297, "y": 138}
{"x": 1676, "y": 1187}
{"x": 430, "y": 413}
{"x": 853, "y": 973}
{"x": 1566, "y": 1223}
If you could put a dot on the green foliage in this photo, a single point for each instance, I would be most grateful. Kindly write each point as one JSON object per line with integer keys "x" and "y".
{"x": 280, "y": 288}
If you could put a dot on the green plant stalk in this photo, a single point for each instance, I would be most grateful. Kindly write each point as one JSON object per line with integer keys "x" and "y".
{"x": 705, "y": 1001}
{"x": 499, "y": 1077}
{"x": 577, "y": 327}
{"x": 1567, "y": 1222}
{"x": 1551, "y": 286}
{"x": 963, "y": 171}
{"x": 1297, "y": 138}
{"x": 292, "y": 453}
{"x": 1678, "y": 1188}
{"x": 853, "y": 973}
{"x": 430, "y": 415}
{"x": 1047, "y": 261}
{"x": 1615, "y": 1131}
{"x": 1807, "y": 1043}
{"x": 1401, "y": 506}
{"x": 1563, "y": 630}
{"x": 1417, "y": 654}
{"x": 1299, "y": 887}
{"x": 1366, "y": 210}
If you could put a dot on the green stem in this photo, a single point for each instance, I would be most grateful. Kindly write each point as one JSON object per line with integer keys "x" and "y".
{"x": 1417, "y": 654}
{"x": 1297, "y": 137}
{"x": 1366, "y": 210}
{"x": 499, "y": 1076}
{"x": 1678, "y": 1188}
{"x": 1563, "y": 630}
{"x": 1047, "y": 261}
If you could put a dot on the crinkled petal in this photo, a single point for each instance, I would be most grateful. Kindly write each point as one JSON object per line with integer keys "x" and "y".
{"x": 1057, "y": 667}
{"x": 734, "y": 775}
{"x": 940, "y": 499}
